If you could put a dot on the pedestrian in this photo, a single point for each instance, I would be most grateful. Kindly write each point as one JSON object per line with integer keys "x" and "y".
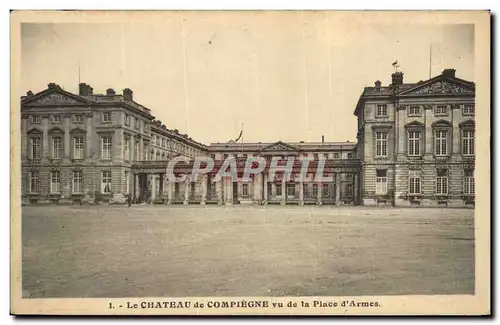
{"x": 129, "y": 200}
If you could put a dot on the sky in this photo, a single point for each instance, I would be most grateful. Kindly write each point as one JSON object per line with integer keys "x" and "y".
{"x": 289, "y": 76}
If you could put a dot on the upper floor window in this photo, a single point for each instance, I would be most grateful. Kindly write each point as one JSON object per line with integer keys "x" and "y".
{"x": 137, "y": 123}
{"x": 126, "y": 149}
{"x": 35, "y": 119}
{"x": 78, "y": 147}
{"x": 106, "y": 146}
{"x": 157, "y": 155}
{"x": 468, "y": 109}
{"x": 127, "y": 119}
{"x": 381, "y": 144}
{"x": 106, "y": 117}
{"x": 336, "y": 155}
{"x": 56, "y": 118}
{"x": 350, "y": 155}
{"x": 78, "y": 118}
{"x": 381, "y": 110}
{"x": 441, "y": 143}
{"x": 154, "y": 138}
{"x": 316, "y": 156}
{"x": 35, "y": 148}
{"x": 414, "y": 111}
{"x": 163, "y": 142}
{"x": 157, "y": 141}
{"x": 468, "y": 142}
{"x": 57, "y": 147}
{"x": 441, "y": 110}
{"x": 414, "y": 143}
{"x": 146, "y": 128}
{"x": 136, "y": 150}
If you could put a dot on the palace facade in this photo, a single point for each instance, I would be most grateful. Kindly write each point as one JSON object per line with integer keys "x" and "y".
{"x": 416, "y": 146}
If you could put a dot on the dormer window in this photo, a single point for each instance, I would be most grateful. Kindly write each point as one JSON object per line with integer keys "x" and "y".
{"x": 56, "y": 118}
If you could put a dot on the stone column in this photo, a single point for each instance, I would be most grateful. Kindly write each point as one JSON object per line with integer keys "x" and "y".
{"x": 45, "y": 146}
{"x": 89, "y": 144}
{"x": 428, "y": 129}
{"x": 301, "y": 192}
{"x": 337, "y": 188}
{"x": 266, "y": 195}
{"x": 218, "y": 191}
{"x": 355, "y": 189}
{"x": 136, "y": 185}
{"x": 229, "y": 190}
{"x": 456, "y": 138}
{"x": 67, "y": 139}
{"x": 320, "y": 193}
{"x": 203, "y": 189}
{"x": 24, "y": 137}
{"x": 153, "y": 187}
{"x": 186, "y": 189}
{"x": 161, "y": 185}
{"x": 284, "y": 193}
{"x": 400, "y": 133}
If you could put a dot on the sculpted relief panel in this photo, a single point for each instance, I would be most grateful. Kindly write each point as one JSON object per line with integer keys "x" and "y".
{"x": 442, "y": 87}
{"x": 55, "y": 99}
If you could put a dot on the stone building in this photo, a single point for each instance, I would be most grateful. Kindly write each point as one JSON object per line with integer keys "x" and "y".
{"x": 82, "y": 147}
{"x": 415, "y": 147}
{"x": 416, "y": 142}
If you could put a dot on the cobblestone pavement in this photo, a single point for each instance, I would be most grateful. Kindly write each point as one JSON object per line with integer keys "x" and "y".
{"x": 245, "y": 251}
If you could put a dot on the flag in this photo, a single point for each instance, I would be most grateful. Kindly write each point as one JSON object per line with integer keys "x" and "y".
{"x": 239, "y": 136}
{"x": 395, "y": 63}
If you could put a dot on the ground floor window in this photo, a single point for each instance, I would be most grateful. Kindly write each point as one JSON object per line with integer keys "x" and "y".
{"x": 350, "y": 190}
{"x": 278, "y": 190}
{"x": 106, "y": 182}
{"x": 469, "y": 182}
{"x": 414, "y": 182}
{"x": 55, "y": 181}
{"x": 244, "y": 190}
{"x": 77, "y": 181}
{"x": 381, "y": 182}
{"x": 442, "y": 182}
{"x": 34, "y": 181}
{"x": 290, "y": 190}
{"x": 305, "y": 188}
{"x": 315, "y": 190}
{"x": 325, "y": 192}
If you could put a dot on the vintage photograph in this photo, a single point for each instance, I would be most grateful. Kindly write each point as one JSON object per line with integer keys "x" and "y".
{"x": 260, "y": 154}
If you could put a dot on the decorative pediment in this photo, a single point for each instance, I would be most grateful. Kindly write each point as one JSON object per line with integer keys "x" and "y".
{"x": 441, "y": 123}
{"x": 279, "y": 146}
{"x": 414, "y": 124}
{"x": 77, "y": 130}
{"x": 468, "y": 123}
{"x": 56, "y": 130}
{"x": 35, "y": 131}
{"x": 54, "y": 96}
{"x": 440, "y": 86}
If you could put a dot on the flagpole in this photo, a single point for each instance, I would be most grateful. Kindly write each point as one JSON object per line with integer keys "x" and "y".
{"x": 242, "y": 138}
{"x": 430, "y": 60}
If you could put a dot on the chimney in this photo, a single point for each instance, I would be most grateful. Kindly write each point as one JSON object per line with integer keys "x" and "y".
{"x": 322, "y": 139}
{"x": 378, "y": 83}
{"x": 449, "y": 73}
{"x": 397, "y": 78}
{"x": 53, "y": 85}
{"x": 29, "y": 93}
{"x": 85, "y": 90}
{"x": 110, "y": 92}
{"x": 128, "y": 94}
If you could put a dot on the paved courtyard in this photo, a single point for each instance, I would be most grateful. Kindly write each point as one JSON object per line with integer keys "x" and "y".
{"x": 164, "y": 251}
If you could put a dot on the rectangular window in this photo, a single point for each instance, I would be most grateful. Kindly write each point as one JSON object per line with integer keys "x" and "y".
{"x": 336, "y": 155}
{"x": 413, "y": 143}
{"x": 350, "y": 155}
{"x": 136, "y": 150}
{"x": 305, "y": 188}
{"x": 244, "y": 189}
{"x": 127, "y": 182}
{"x": 137, "y": 123}
{"x": 381, "y": 144}
{"x": 381, "y": 110}
{"x": 106, "y": 146}
{"x": 55, "y": 181}
{"x": 34, "y": 182}
{"x": 350, "y": 190}
{"x": 315, "y": 156}
{"x": 381, "y": 182}
{"x": 106, "y": 117}
{"x": 78, "y": 118}
{"x": 163, "y": 142}
{"x": 77, "y": 182}
{"x": 279, "y": 191}
{"x": 36, "y": 143}
{"x": 56, "y": 118}
{"x": 468, "y": 110}
{"x": 290, "y": 190}
{"x": 469, "y": 182}
{"x": 325, "y": 192}
{"x": 127, "y": 119}
{"x": 440, "y": 146}
{"x": 106, "y": 182}
{"x": 441, "y": 110}
{"x": 78, "y": 147}
{"x": 414, "y": 111}
{"x": 57, "y": 147}
{"x": 468, "y": 142}
{"x": 35, "y": 119}
{"x": 126, "y": 149}
{"x": 442, "y": 182}
{"x": 157, "y": 141}
{"x": 414, "y": 182}
{"x": 315, "y": 190}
